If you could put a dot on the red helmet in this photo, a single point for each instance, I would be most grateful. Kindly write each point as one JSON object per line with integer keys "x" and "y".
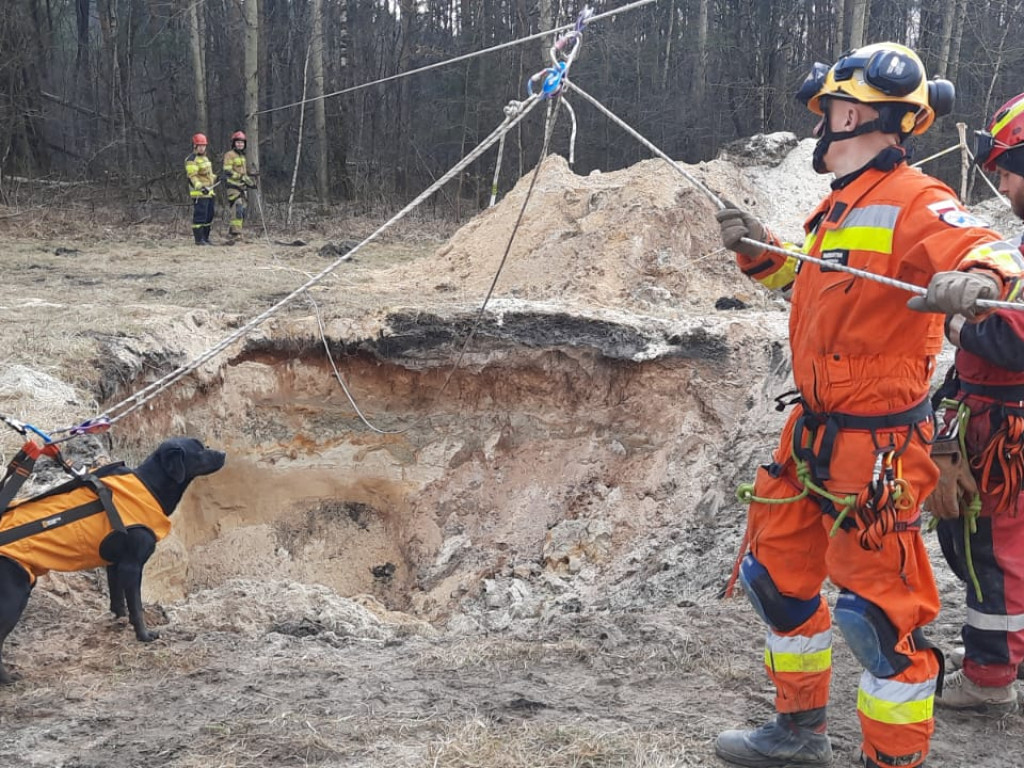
{"x": 237, "y": 136}
{"x": 1005, "y": 132}
{"x": 199, "y": 140}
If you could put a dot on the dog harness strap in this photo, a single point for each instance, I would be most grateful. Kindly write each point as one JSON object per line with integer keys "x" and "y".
{"x": 50, "y": 522}
{"x": 17, "y": 472}
{"x": 107, "y": 499}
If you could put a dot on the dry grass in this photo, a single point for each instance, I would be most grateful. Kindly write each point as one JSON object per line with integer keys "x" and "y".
{"x": 481, "y": 744}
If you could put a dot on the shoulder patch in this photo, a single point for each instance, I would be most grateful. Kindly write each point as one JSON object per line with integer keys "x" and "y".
{"x": 945, "y": 206}
{"x": 962, "y": 219}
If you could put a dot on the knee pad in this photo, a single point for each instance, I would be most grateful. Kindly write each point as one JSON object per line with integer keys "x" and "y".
{"x": 781, "y": 613}
{"x": 870, "y": 635}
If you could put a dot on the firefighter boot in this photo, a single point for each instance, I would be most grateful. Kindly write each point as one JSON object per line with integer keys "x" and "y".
{"x": 790, "y": 739}
{"x": 960, "y": 692}
{"x": 955, "y": 661}
{"x": 206, "y": 235}
{"x": 197, "y": 233}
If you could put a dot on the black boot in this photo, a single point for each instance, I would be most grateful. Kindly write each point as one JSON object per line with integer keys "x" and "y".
{"x": 197, "y": 233}
{"x": 791, "y": 739}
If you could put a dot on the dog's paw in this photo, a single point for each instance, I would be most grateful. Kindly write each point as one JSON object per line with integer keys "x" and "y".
{"x": 147, "y": 636}
{"x": 8, "y": 678}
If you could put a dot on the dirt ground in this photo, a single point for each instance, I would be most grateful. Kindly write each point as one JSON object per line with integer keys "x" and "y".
{"x": 514, "y": 561}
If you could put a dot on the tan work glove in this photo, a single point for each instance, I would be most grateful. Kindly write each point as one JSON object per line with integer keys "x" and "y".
{"x": 735, "y": 225}
{"x": 956, "y": 293}
{"x": 955, "y": 480}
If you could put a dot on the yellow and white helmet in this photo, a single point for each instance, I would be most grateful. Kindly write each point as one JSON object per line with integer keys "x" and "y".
{"x": 882, "y": 74}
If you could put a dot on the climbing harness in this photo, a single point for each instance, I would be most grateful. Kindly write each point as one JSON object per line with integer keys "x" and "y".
{"x": 876, "y": 510}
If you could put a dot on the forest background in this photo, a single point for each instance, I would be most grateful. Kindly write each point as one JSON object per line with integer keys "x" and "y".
{"x": 107, "y": 93}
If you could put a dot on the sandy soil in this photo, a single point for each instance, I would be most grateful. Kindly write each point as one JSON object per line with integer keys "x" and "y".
{"x": 555, "y": 505}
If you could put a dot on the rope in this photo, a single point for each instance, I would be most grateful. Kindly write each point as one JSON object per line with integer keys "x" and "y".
{"x": 717, "y": 201}
{"x": 937, "y": 155}
{"x": 562, "y": 44}
{"x": 118, "y": 411}
{"x": 476, "y": 322}
{"x": 463, "y": 57}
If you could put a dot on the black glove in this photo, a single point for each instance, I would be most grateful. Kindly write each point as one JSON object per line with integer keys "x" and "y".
{"x": 956, "y": 293}
{"x": 205, "y": 190}
{"x": 735, "y": 225}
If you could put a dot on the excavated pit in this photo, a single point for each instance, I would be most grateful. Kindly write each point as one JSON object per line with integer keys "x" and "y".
{"x": 557, "y": 443}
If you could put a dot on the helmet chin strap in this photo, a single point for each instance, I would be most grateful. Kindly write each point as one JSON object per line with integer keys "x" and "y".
{"x": 886, "y": 122}
{"x": 828, "y": 136}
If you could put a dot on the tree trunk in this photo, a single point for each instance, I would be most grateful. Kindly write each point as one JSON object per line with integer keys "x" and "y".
{"x": 700, "y": 76}
{"x": 957, "y": 38}
{"x": 945, "y": 37}
{"x": 837, "y": 39}
{"x": 298, "y": 143}
{"x": 669, "y": 35}
{"x": 198, "y": 66}
{"x": 251, "y": 11}
{"x": 322, "y": 143}
{"x": 546, "y": 20}
{"x": 858, "y": 22}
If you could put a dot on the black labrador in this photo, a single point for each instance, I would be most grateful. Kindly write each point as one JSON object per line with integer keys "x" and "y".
{"x": 76, "y": 531}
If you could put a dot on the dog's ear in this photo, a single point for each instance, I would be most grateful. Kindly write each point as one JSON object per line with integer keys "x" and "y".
{"x": 173, "y": 462}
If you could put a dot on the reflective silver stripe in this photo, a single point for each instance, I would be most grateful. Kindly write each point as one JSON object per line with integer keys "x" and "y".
{"x": 896, "y": 692}
{"x": 798, "y": 643}
{"x": 881, "y": 216}
{"x": 993, "y": 622}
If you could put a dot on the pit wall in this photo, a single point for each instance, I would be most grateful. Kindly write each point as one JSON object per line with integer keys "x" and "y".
{"x": 540, "y": 460}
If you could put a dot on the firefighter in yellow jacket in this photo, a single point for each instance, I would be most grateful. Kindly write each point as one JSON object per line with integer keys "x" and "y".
{"x": 201, "y": 182}
{"x": 238, "y": 182}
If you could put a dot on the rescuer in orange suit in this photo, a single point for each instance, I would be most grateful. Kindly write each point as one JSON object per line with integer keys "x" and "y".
{"x": 841, "y": 496}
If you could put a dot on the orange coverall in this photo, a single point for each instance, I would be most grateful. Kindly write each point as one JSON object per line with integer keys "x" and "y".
{"x": 857, "y": 352}
{"x": 76, "y": 546}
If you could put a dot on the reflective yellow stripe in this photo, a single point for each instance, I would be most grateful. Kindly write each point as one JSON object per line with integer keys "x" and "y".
{"x": 878, "y": 239}
{"x": 1000, "y": 254}
{"x": 798, "y": 653}
{"x": 782, "y": 277}
{"x": 888, "y": 701}
{"x": 1011, "y": 113}
{"x": 798, "y": 662}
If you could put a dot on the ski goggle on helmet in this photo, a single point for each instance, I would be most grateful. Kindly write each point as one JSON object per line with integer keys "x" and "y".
{"x": 880, "y": 74}
{"x": 1005, "y": 132}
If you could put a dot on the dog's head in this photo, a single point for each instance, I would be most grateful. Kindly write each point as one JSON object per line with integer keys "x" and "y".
{"x": 175, "y": 463}
{"x": 185, "y": 458}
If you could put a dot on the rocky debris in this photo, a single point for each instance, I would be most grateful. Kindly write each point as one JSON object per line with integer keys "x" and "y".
{"x": 763, "y": 149}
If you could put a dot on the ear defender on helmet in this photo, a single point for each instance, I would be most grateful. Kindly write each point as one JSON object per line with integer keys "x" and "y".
{"x": 941, "y": 96}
